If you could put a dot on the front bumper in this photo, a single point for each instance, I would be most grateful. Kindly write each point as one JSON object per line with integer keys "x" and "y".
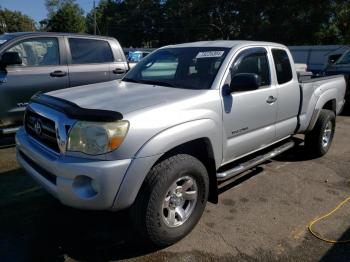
{"x": 76, "y": 182}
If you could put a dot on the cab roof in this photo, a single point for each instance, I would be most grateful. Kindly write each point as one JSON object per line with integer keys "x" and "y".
{"x": 20, "y": 34}
{"x": 225, "y": 43}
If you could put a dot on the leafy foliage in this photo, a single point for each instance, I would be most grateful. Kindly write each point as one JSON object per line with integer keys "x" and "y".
{"x": 155, "y": 23}
{"x": 14, "y": 21}
{"x": 64, "y": 16}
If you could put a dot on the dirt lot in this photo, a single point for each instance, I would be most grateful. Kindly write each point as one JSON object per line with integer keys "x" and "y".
{"x": 263, "y": 217}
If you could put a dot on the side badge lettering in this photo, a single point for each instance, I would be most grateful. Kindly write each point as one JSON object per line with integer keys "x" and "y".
{"x": 234, "y": 132}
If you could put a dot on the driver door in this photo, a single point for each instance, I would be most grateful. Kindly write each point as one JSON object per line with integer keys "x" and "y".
{"x": 249, "y": 116}
{"x": 41, "y": 70}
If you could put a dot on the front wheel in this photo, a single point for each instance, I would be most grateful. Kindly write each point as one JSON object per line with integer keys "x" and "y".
{"x": 171, "y": 200}
{"x": 319, "y": 140}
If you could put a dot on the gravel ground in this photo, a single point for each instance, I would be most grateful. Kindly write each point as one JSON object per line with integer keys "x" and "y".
{"x": 261, "y": 217}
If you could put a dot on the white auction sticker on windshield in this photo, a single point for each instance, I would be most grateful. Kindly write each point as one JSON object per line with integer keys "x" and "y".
{"x": 209, "y": 54}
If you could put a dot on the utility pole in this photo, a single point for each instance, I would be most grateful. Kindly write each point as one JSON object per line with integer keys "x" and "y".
{"x": 94, "y": 18}
{"x": 3, "y": 26}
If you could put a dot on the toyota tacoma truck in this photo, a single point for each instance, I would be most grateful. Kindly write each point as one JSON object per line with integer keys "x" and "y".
{"x": 186, "y": 119}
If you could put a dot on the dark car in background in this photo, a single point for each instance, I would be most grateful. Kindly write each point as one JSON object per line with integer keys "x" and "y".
{"x": 136, "y": 56}
{"x": 42, "y": 62}
{"x": 340, "y": 66}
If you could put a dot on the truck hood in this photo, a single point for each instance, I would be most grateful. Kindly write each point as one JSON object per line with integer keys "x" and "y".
{"x": 123, "y": 97}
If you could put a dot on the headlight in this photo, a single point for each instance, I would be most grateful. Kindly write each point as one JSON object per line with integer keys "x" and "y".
{"x": 96, "y": 138}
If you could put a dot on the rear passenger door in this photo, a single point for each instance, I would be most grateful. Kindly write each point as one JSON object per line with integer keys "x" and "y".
{"x": 89, "y": 61}
{"x": 287, "y": 86}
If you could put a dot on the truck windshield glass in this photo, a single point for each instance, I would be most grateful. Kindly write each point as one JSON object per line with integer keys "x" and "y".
{"x": 344, "y": 59}
{"x": 187, "y": 67}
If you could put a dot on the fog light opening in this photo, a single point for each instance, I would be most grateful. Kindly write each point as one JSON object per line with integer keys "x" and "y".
{"x": 85, "y": 187}
{"x": 94, "y": 185}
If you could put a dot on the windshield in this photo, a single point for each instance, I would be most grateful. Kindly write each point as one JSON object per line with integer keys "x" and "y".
{"x": 186, "y": 67}
{"x": 344, "y": 59}
{"x": 134, "y": 56}
{"x": 4, "y": 38}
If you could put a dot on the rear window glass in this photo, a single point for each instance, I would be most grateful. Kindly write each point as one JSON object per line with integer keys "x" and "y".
{"x": 88, "y": 51}
{"x": 282, "y": 66}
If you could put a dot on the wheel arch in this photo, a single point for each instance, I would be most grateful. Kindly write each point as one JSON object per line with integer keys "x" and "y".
{"x": 326, "y": 101}
{"x": 201, "y": 149}
{"x": 200, "y": 138}
{"x": 331, "y": 105}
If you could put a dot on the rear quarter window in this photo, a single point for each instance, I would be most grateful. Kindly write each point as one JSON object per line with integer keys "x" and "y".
{"x": 89, "y": 51}
{"x": 282, "y": 66}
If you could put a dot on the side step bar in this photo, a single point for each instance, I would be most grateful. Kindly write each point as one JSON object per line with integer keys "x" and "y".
{"x": 242, "y": 167}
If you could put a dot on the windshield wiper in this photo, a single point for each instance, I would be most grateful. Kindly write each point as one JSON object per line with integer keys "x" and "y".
{"x": 158, "y": 83}
{"x": 130, "y": 80}
{"x": 149, "y": 82}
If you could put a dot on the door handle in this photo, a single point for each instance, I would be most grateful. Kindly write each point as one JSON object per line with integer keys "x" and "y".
{"x": 271, "y": 99}
{"x": 58, "y": 73}
{"x": 119, "y": 71}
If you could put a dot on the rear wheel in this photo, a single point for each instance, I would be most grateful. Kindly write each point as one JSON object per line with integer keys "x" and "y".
{"x": 319, "y": 140}
{"x": 171, "y": 200}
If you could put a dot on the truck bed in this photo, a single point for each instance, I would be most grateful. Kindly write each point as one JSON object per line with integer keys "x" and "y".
{"x": 311, "y": 89}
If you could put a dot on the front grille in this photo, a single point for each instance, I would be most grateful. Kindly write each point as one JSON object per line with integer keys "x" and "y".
{"x": 41, "y": 129}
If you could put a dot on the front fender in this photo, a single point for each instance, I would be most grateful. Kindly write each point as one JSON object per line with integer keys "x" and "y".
{"x": 159, "y": 144}
{"x": 182, "y": 133}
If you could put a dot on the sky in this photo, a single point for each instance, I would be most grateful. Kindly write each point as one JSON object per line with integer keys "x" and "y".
{"x": 36, "y": 8}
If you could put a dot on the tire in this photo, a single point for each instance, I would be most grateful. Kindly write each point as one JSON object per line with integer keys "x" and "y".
{"x": 152, "y": 212}
{"x": 315, "y": 141}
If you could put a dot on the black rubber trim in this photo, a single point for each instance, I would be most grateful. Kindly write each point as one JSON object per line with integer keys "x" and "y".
{"x": 43, "y": 172}
{"x": 74, "y": 111}
{"x": 299, "y": 110}
{"x": 320, "y": 78}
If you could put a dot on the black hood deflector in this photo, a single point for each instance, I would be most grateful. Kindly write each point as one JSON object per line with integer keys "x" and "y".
{"x": 74, "y": 111}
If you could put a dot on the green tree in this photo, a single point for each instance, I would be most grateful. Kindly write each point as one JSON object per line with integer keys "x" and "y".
{"x": 337, "y": 28}
{"x": 14, "y": 21}
{"x": 102, "y": 21}
{"x": 152, "y": 23}
{"x": 65, "y": 16}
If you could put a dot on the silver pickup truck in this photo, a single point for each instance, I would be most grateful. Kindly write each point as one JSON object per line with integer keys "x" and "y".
{"x": 183, "y": 120}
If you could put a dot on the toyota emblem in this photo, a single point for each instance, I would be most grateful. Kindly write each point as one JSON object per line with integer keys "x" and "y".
{"x": 38, "y": 127}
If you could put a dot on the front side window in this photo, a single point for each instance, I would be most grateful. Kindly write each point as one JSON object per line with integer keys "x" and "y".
{"x": 255, "y": 63}
{"x": 183, "y": 67}
{"x": 282, "y": 66}
{"x": 345, "y": 59}
{"x": 38, "y": 52}
{"x": 89, "y": 51}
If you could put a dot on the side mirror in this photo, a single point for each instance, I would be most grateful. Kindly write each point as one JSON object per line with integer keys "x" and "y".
{"x": 333, "y": 58}
{"x": 245, "y": 82}
{"x": 10, "y": 58}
